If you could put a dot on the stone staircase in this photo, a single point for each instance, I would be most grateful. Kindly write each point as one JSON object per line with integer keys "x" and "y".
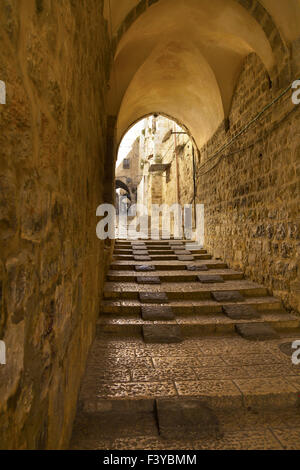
{"x": 187, "y": 353}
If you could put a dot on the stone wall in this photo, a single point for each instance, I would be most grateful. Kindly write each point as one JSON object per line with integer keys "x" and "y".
{"x": 55, "y": 62}
{"x": 251, "y": 189}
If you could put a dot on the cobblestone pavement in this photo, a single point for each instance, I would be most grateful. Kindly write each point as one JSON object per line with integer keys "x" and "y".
{"x": 252, "y": 387}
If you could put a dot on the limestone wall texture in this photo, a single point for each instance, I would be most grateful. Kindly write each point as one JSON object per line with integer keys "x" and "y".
{"x": 252, "y": 195}
{"x": 52, "y": 151}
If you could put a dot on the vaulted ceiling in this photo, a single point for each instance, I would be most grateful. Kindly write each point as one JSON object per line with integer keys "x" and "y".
{"x": 183, "y": 57}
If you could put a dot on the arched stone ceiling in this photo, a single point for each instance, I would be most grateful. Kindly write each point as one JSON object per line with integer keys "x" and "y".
{"x": 286, "y": 15}
{"x": 183, "y": 58}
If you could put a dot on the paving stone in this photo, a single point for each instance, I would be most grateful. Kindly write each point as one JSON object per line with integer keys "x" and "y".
{"x": 186, "y": 417}
{"x": 240, "y": 312}
{"x": 144, "y": 268}
{"x": 228, "y": 296}
{"x": 256, "y": 331}
{"x": 182, "y": 252}
{"x": 165, "y": 334}
{"x": 194, "y": 267}
{"x": 185, "y": 258}
{"x": 153, "y": 297}
{"x": 148, "y": 280}
{"x": 142, "y": 258}
{"x": 210, "y": 279}
{"x": 157, "y": 312}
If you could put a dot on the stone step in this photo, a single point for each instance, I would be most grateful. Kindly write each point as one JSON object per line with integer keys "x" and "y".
{"x": 181, "y": 276}
{"x": 186, "y": 418}
{"x": 191, "y": 291}
{"x": 148, "y": 242}
{"x": 198, "y": 307}
{"x": 166, "y": 266}
{"x": 156, "y": 251}
{"x": 204, "y": 324}
{"x": 157, "y": 313}
{"x": 171, "y": 257}
{"x": 256, "y": 331}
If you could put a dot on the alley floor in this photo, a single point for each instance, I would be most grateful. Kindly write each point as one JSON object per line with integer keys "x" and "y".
{"x": 189, "y": 368}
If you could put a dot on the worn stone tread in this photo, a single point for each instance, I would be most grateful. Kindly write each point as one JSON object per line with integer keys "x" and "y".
{"x": 240, "y": 312}
{"x": 157, "y": 312}
{"x": 153, "y": 297}
{"x": 210, "y": 278}
{"x": 143, "y": 268}
{"x": 181, "y": 419}
{"x": 256, "y": 331}
{"x": 148, "y": 280}
{"x": 162, "y": 334}
{"x": 194, "y": 267}
{"x": 228, "y": 296}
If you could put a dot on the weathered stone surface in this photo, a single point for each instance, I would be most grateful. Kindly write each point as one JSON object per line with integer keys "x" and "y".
{"x": 140, "y": 253}
{"x": 182, "y": 252}
{"x": 185, "y": 258}
{"x": 157, "y": 312}
{"x": 227, "y": 296}
{"x": 153, "y": 297}
{"x": 142, "y": 258}
{"x": 180, "y": 419}
{"x": 210, "y": 279}
{"x": 240, "y": 312}
{"x": 139, "y": 247}
{"x": 53, "y": 136}
{"x": 144, "y": 268}
{"x": 286, "y": 348}
{"x": 257, "y": 232}
{"x": 164, "y": 334}
{"x": 148, "y": 279}
{"x": 256, "y": 331}
{"x": 193, "y": 267}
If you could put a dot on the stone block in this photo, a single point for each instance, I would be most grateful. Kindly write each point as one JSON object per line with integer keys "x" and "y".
{"x": 157, "y": 312}
{"x": 153, "y": 297}
{"x": 140, "y": 253}
{"x": 144, "y": 268}
{"x": 194, "y": 267}
{"x": 228, "y": 296}
{"x": 240, "y": 312}
{"x": 148, "y": 280}
{"x": 256, "y": 331}
{"x": 186, "y": 417}
{"x": 182, "y": 252}
{"x": 142, "y": 258}
{"x": 138, "y": 247}
{"x": 210, "y": 279}
{"x": 162, "y": 334}
{"x": 185, "y": 258}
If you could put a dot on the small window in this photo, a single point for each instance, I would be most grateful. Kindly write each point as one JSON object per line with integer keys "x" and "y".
{"x": 126, "y": 164}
